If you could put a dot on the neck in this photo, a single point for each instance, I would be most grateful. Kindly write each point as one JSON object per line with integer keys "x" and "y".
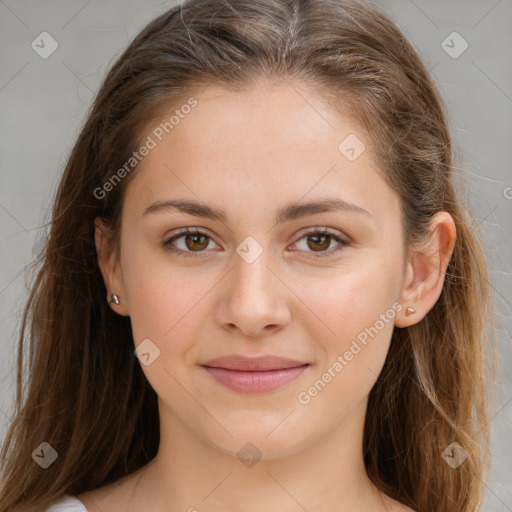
{"x": 190, "y": 474}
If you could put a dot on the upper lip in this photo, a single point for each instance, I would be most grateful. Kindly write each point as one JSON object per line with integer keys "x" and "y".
{"x": 255, "y": 364}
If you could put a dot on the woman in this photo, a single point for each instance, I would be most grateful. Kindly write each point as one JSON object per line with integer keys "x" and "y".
{"x": 260, "y": 290}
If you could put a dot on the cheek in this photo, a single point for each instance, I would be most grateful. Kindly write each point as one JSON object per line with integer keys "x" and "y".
{"x": 351, "y": 301}
{"x": 163, "y": 297}
{"x": 166, "y": 308}
{"x": 358, "y": 309}
{"x": 357, "y": 320}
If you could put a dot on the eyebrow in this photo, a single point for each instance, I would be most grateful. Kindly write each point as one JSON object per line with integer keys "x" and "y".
{"x": 288, "y": 213}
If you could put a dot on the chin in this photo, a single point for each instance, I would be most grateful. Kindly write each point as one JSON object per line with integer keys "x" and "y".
{"x": 261, "y": 443}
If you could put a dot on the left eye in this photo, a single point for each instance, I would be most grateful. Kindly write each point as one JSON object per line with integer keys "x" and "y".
{"x": 320, "y": 240}
{"x": 196, "y": 241}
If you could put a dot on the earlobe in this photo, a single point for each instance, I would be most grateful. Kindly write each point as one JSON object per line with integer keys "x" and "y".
{"x": 110, "y": 267}
{"x": 426, "y": 270}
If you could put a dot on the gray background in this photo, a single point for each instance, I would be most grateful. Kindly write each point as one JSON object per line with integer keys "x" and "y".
{"x": 44, "y": 101}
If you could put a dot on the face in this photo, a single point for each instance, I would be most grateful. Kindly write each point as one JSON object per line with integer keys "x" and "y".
{"x": 253, "y": 278}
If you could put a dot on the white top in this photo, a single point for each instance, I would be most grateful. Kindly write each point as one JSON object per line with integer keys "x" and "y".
{"x": 67, "y": 503}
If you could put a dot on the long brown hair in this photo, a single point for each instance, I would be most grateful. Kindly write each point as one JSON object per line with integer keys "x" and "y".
{"x": 85, "y": 393}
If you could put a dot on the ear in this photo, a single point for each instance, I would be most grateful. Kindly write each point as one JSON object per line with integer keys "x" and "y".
{"x": 110, "y": 266}
{"x": 425, "y": 270}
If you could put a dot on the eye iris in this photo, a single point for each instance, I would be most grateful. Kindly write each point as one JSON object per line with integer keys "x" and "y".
{"x": 322, "y": 246}
{"x": 194, "y": 239}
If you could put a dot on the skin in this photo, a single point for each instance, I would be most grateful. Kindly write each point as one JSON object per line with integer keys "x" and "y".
{"x": 250, "y": 154}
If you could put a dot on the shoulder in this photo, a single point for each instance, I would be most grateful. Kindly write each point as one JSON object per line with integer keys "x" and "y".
{"x": 67, "y": 503}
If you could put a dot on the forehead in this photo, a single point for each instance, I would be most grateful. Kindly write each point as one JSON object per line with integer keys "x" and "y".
{"x": 268, "y": 117}
{"x": 271, "y": 142}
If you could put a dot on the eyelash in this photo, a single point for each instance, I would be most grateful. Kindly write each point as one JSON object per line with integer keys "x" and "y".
{"x": 199, "y": 254}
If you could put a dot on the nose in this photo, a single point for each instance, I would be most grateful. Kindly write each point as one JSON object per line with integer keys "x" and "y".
{"x": 254, "y": 299}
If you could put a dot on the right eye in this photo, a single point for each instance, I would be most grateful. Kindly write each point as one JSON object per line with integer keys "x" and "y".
{"x": 192, "y": 240}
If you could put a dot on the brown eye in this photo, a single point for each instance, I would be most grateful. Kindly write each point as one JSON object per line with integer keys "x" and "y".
{"x": 186, "y": 242}
{"x": 318, "y": 244}
{"x": 193, "y": 242}
{"x": 319, "y": 240}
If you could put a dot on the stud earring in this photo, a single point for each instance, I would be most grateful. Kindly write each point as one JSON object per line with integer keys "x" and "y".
{"x": 410, "y": 311}
{"x": 114, "y": 299}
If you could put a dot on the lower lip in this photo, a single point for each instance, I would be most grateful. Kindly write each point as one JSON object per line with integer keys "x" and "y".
{"x": 254, "y": 382}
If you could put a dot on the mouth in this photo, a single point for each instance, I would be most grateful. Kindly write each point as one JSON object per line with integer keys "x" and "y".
{"x": 254, "y": 374}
